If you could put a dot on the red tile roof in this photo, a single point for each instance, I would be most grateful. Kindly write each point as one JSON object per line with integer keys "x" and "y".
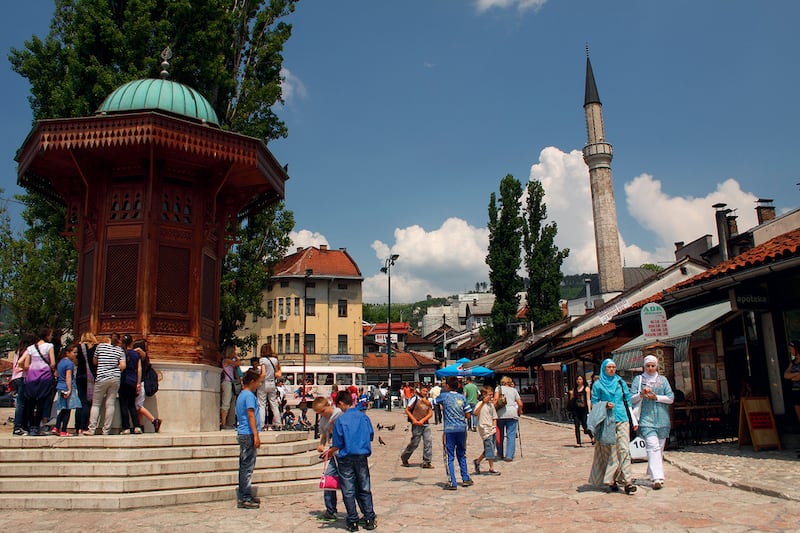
{"x": 784, "y": 246}
{"x": 323, "y": 261}
{"x": 593, "y": 333}
{"x": 400, "y": 361}
{"x": 397, "y": 327}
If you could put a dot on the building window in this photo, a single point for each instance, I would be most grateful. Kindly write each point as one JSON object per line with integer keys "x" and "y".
{"x": 297, "y": 306}
{"x": 269, "y": 309}
{"x": 280, "y": 306}
{"x": 280, "y": 343}
{"x": 342, "y": 308}
{"x": 311, "y": 343}
{"x": 284, "y": 284}
{"x": 296, "y": 343}
{"x": 269, "y": 287}
{"x": 342, "y": 344}
{"x": 311, "y": 304}
{"x": 269, "y": 341}
{"x": 342, "y": 286}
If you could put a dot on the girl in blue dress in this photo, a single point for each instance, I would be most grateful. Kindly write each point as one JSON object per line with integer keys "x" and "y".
{"x": 66, "y": 393}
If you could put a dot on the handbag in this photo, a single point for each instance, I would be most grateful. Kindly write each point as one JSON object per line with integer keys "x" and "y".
{"x": 328, "y": 481}
{"x": 236, "y": 382}
{"x": 631, "y": 420}
{"x": 501, "y": 399}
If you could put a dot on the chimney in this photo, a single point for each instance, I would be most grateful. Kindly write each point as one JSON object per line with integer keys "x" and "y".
{"x": 679, "y": 245}
{"x": 588, "y": 282}
{"x": 721, "y": 217}
{"x": 733, "y": 227}
{"x": 299, "y": 249}
{"x": 564, "y": 309}
{"x": 764, "y": 210}
{"x": 323, "y": 247}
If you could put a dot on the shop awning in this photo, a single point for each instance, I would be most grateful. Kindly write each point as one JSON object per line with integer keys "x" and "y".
{"x": 680, "y": 328}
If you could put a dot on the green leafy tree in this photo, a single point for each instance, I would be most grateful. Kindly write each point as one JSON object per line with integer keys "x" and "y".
{"x": 262, "y": 242}
{"x": 38, "y": 259}
{"x": 229, "y": 50}
{"x": 652, "y": 267}
{"x": 543, "y": 259}
{"x": 503, "y": 258}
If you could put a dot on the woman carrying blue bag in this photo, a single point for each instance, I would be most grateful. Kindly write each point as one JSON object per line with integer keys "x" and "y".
{"x": 611, "y": 465}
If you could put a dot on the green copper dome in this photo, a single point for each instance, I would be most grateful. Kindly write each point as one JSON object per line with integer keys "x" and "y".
{"x": 159, "y": 94}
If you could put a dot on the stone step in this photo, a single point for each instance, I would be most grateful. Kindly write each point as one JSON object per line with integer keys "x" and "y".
{"x": 142, "y": 500}
{"x": 176, "y": 452}
{"x": 41, "y": 469}
{"x": 137, "y": 471}
{"x": 158, "y": 482}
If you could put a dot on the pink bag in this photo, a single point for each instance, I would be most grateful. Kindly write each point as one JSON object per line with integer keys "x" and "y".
{"x": 326, "y": 481}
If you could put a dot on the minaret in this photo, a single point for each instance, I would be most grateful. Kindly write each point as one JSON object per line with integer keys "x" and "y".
{"x": 598, "y": 153}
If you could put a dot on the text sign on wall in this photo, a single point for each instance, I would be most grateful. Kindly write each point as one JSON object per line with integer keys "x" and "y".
{"x": 380, "y": 338}
{"x": 654, "y": 321}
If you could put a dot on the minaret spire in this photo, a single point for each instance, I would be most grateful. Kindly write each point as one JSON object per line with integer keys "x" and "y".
{"x": 598, "y": 154}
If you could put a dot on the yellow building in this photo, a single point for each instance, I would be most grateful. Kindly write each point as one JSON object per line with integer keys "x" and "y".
{"x": 314, "y": 294}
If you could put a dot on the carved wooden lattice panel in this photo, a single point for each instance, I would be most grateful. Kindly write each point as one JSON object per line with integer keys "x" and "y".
{"x": 172, "y": 287}
{"x": 209, "y": 286}
{"x": 122, "y": 272}
{"x": 125, "y": 205}
{"x": 87, "y": 275}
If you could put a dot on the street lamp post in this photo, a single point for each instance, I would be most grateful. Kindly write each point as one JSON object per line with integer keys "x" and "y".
{"x": 387, "y": 269}
{"x": 309, "y": 272}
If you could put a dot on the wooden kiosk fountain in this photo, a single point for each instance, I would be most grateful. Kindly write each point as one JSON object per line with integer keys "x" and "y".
{"x": 150, "y": 184}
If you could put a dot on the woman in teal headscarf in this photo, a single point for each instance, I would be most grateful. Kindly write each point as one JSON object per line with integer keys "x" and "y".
{"x": 612, "y": 462}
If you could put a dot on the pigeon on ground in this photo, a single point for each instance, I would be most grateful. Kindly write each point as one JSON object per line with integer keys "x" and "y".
{"x": 381, "y": 441}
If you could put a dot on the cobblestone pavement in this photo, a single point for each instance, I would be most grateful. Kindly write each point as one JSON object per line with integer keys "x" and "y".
{"x": 543, "y": 489}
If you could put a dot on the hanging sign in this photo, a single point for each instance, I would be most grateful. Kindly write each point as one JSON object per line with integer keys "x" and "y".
{"x": 654, "y": 321}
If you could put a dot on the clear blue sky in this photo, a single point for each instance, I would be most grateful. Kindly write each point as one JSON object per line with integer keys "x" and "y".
{"x": 404, "y": 116}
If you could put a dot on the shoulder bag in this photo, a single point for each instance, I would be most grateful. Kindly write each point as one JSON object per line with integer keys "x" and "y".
{"x": 631, "y": 420}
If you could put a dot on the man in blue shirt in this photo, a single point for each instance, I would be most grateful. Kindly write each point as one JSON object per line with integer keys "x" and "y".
{"x": 352, "y": 441}
{"x": 455, "y": 410}
{"x": 249, "y": 441}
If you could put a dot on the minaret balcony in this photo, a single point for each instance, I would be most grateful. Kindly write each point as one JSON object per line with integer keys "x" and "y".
{"x": 595, "y": 149}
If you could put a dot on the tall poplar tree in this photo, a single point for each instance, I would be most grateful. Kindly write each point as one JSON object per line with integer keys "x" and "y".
{"x": 503, "y": 258}
{"x": 229, "y": 50}
{"x": 543, "y": 259}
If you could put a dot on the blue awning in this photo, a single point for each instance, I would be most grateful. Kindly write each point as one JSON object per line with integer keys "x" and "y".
{"x": 680, "y": 328}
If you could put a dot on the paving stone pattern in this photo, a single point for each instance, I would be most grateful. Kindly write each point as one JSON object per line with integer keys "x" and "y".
{"x": 708, "y": 488}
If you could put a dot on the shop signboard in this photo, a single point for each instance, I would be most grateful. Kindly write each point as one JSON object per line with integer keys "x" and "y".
{"x": 654, "y": 321}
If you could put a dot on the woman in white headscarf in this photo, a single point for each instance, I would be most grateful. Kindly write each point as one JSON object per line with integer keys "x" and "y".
{"x": 654, "y": 393}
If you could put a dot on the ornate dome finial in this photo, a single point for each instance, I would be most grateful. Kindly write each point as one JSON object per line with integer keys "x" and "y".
{"x": 166, "y": 54}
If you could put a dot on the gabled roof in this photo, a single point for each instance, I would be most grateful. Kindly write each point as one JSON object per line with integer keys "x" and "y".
{"x": 400, "y": 361}
{"x": 323, "y": 262}
{"x": 398, "y": 328}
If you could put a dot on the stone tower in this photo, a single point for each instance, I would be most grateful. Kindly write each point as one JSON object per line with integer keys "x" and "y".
{"x": 598, "y": 153}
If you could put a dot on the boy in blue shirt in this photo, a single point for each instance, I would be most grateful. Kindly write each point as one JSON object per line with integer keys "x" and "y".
{"x": 352, "y": 441}
{"x": 249, "y": 441}
{"x": 455, "y": 409}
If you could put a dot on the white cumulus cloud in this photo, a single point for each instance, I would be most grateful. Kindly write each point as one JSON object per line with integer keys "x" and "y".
{"x": 669, "y": 219}
{"x": 439, "y": 262}
{"x": 305, "y": 238}
{"x": 521, "y": 5}
{"x": 291, "y": 86}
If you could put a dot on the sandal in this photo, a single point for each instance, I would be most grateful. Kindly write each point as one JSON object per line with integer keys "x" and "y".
{"x": 630, "y": 488}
